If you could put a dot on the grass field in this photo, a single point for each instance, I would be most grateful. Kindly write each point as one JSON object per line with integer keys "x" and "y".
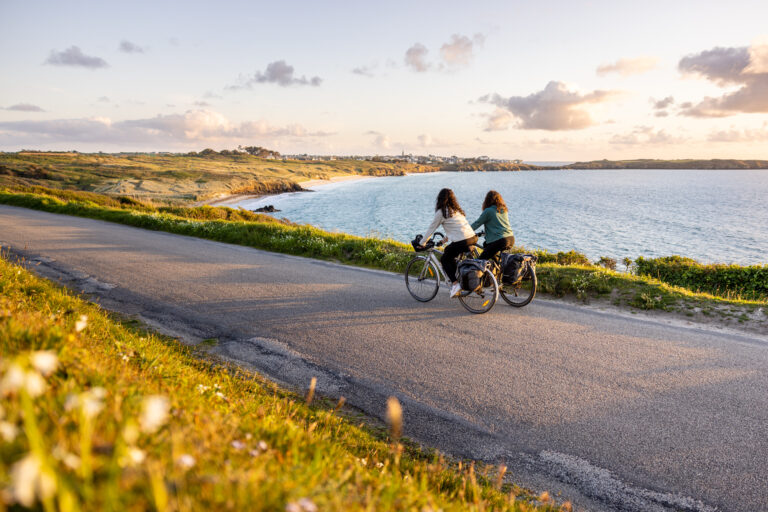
{"x": 177, "y": 178}
{"x": 99, "y": 414}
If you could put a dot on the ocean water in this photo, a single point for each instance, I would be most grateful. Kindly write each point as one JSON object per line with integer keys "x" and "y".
{"x": 711, "y": 216}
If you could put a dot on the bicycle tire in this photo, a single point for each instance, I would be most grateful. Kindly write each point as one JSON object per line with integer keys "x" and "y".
{"x": 482, "y": 301}
{"x": 423, "y": 289}
{"x": 522, "y": 293}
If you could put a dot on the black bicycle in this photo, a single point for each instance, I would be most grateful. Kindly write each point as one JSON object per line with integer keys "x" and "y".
{"x": 516, "y": 275}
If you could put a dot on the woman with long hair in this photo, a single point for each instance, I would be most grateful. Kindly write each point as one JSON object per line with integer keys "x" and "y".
{"x": 449, "y": 214}
{"x": 498, "y": 232}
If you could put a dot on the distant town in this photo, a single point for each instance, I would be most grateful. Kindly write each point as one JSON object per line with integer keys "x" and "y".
{"x": 410, "y": 158}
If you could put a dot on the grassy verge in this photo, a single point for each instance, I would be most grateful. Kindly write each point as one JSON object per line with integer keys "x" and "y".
{"x": 560, "y": 274}
{"x": 98, "y": 414}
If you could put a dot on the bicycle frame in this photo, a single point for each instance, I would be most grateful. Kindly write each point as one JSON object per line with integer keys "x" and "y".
{"x": 431, "y": 258}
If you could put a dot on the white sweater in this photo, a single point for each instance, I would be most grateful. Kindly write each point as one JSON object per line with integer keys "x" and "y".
{"x": 456, "y": 227}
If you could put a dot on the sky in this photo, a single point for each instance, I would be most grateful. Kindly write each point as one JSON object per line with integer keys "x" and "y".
{"x": 539, "y": 81}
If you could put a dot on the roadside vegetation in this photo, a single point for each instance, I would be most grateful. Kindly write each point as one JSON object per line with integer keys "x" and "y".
{"x": 100, "y": 414}
{"x": 564, "y": 274}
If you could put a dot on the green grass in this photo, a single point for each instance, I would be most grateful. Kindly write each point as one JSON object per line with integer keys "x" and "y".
{"x": 129, "y": 420}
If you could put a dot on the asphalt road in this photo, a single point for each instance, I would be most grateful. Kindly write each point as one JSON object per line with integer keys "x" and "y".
{"x": 613, "y": 412}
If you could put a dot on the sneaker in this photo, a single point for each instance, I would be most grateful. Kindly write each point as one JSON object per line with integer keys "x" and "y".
{"x": 455, "y": 290}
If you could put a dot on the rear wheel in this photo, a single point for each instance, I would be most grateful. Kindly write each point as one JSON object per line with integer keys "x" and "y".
{"x": 421, "y": 279}
{"x": 482, "y": 300}
{"x": 521, "y": 293}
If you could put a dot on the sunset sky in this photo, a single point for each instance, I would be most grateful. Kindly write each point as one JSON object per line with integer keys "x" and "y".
{"x": 561, "y": 80}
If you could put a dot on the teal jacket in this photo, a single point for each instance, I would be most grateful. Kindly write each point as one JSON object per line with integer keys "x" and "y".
{"x": 496, "y": 224}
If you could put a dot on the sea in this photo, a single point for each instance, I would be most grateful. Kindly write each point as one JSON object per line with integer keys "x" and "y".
{"x": 712, "y": 216}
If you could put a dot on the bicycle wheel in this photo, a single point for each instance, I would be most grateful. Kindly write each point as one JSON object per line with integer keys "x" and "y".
{"x": 521, "y": 293}
{"x": 482, "y": 300}
{"x": 422, "y": 279}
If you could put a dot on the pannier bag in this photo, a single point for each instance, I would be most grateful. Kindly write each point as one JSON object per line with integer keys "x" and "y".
{"x": 470, "y": 273}
{"x": 515, "y": 267}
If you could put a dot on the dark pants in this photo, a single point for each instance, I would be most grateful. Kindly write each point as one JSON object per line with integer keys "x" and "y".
{"x": 452, "y": 250}
{"x": 492, "y": 249}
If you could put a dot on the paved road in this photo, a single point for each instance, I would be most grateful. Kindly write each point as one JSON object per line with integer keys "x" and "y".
{"x": 614, "y": 412}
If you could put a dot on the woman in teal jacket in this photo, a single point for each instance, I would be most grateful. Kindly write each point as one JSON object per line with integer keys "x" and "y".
{"x": 498, "y": 232}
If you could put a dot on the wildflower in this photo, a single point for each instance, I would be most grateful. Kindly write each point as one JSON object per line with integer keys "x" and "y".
{"x": 130, "y": 433}
{"x": 379, "y": 464}
{"x": 262, "y": 445}
{"x": 185, "y": 461}
{"x": 45, "y": 361}
{"x": 154, "y": 413}
{"x": 81, "y": 324}
{"x": 30, "y": 481}
{"x": 34, "y": 384}
{"x": 221, "y": 395}
{"x": 364, "y": 462}
{"x": 135, "y": 456}
{"x": 202, "y": 389}
{"x": 303, "y": 505}
{"x": 8, "y": 431}
{"x": 238, "y": 445}
{"x": 13, "y": 379}
{"x": 90, "y": 402}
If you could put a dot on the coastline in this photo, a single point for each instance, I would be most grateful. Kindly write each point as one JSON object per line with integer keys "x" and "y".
{"x": 233, "y": 200}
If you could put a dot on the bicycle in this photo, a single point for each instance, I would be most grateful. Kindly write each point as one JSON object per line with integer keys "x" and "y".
{"x": 423, "y": 275}
{"x": 518, "y": 292}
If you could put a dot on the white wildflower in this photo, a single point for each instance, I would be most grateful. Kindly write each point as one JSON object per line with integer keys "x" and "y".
{"x": 154, "y": 413}
{"x": 34, "y": 384}
{"x": 8, "y": 431}
{"x": 13, "y": 379}
{"x": 81, "y": 324}
{"x": 136, "y": 456}
{"x": 303, "y": 505}
{"x": 379, "y": 464}
{"x": 29, "y": 481}
{"x": 220, "y": 395}
{"x": 262, "y": 445}
{"x": 91, "y": 402}
{"x": 238, "y": 445}
{"x": 185, "y": 461}
{"x": 45, "y": 361}
{"x": 364, "y": 462}
{"x": 202, "y": 389}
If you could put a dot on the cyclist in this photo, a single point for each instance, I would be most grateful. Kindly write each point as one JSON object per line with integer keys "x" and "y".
{"x": 498, "y": 232}
{"x": 449, "y": 214}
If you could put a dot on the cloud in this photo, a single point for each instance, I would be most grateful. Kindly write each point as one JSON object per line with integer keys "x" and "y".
{"x": 555, "y": 108}
{"x": 459, "y": 50}
{"x": 74, "y": 56}
{"x": 425, "y": 140}
{"x": 363, "y": 71}
{"x": 171, "y": 129}
{"x": 629, "y": 67}
{"x": 280, "y": 73}
{"x": 645, "y": 135}
{"x": 415, "y": 58}
{"x": 103, "y": 99}
{"x": 745, "y": 135}
{"x": 25, "y": 107}
{"x": 380, "y": 140}
{"x": 201, "y": 104}
{"x": 745, "y": 67}
{"x": 663, "y": 103}
{"x": 456, "y": 53}
{"x": 129, "y": 47}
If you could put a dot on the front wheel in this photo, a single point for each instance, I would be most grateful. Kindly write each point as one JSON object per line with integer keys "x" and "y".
{"x": 521, "y": 293}
{"x": 422, "y": 279}
{"x": 482, "y": 300}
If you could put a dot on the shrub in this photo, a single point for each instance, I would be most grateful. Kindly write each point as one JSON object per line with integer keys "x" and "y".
{"x": 730, "y": 281}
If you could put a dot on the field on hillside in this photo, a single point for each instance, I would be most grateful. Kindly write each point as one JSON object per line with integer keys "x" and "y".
{"x": 178, "y": 178}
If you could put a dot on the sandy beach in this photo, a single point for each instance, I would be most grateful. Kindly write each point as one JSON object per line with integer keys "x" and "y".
{"x": 233, "y": 200}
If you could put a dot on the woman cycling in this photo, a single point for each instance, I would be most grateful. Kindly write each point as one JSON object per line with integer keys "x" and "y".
{"x": 449, "y": 214}
{"x": 498, "y": 232}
